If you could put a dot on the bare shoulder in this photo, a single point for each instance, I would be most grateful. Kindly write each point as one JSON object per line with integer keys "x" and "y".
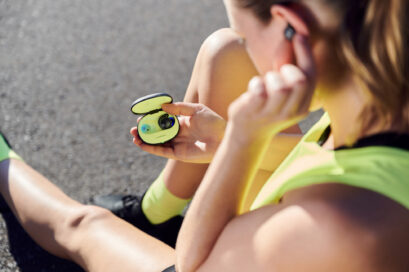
{"x": 377, "y": 225}
{"x": 320, "y": 228}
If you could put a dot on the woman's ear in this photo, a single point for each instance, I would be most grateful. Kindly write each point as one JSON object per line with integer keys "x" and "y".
{"x": 291, "y": 17}
{"x": 285, "y": 22}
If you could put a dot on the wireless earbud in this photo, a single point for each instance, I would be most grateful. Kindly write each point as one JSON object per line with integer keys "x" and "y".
{"x": 145, "y": 128}
{"x": 289, "y": 32}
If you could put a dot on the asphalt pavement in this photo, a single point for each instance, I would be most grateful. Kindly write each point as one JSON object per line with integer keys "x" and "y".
{"x": 69, "y": 71}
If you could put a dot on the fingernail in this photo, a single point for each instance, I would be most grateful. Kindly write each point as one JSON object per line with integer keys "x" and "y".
{"x": 165, "y": 105}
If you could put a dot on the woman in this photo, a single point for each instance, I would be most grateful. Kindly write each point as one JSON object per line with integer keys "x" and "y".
{"x": 339, "y": 202}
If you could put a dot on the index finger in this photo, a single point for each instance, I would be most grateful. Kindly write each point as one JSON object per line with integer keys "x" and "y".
{"x": 181, "y": 108}
{"x": 303, "y": 56}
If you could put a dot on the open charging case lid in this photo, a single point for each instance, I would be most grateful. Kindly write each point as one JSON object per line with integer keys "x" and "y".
{"x": 150, "y": 103}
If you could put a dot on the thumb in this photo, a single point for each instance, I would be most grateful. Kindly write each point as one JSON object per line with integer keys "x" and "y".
{"x": 181, "y": 108}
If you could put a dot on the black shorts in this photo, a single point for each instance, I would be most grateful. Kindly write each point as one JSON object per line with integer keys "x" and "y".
{"x": 170, "y": 269}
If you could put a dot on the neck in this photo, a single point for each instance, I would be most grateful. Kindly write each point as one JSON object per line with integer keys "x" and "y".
{"x": 344, "y": 106}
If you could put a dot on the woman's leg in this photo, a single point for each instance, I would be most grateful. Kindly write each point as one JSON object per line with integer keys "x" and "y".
{"x": 91, "y": 236}
{"x": 220, "y": 75}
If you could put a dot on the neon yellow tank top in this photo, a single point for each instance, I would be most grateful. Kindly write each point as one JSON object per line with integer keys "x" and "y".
{"x": 381, "y": 169}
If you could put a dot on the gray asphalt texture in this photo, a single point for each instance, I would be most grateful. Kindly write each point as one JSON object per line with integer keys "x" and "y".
{"x": 69, "y": 71}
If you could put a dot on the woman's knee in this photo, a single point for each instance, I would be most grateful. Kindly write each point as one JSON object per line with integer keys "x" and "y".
{"x": 224, "y": 49}
{"x": 78, "y": 222}
{"x": 222, "y": 42}
{"x": 224, "y": 69}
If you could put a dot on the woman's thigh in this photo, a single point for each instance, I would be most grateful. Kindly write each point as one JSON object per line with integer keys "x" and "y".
{"x": 91, "y": 236}
{"x": 103, "y": 242}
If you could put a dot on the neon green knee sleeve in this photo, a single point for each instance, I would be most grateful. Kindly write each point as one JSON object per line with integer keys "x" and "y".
{"x": 159, "y": 204}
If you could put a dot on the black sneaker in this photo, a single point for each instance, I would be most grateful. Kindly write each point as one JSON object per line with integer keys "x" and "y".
{"x": 128, "y": 207}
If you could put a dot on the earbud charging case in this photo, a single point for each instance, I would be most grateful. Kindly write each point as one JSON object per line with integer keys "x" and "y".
{"x": 148, "y": 127}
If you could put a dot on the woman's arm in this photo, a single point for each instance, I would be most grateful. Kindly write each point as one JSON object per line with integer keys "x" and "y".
{"x": 218, "y": 199}
{"x": 201, "y": 133}
{"x": 275, "y": 102}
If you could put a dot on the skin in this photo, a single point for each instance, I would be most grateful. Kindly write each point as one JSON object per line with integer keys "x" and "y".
{"x": 90, "y": 236}
{"x": 328, "y": 227}
{"x": 220, "y": 75}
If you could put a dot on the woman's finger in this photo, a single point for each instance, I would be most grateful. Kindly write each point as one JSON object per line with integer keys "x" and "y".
{"x": 256, "y": 87}
{"x": 305, "y": 62}
{"x": 134, "y": 131}
{"x": 136, "y": 139}
{"x": 182, "y": 108}
{"x": 304, "y": 57}
{"x": 278, "y": 92}
{"x": 300, "y": 90}
{"x": 256, "y": 94}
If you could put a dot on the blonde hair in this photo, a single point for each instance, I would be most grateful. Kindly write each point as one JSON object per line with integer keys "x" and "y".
{"x": 374, "y": 40}
{"x": 374, "y": 45}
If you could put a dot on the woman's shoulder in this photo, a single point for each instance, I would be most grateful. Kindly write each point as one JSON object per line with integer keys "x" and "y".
{"x": 328, "y": 227}
{"x": 368, "y": 221}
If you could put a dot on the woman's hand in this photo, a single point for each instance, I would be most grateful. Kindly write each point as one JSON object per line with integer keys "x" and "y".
{"x": 278, "y": 100}
{"x": 201, "y": 131}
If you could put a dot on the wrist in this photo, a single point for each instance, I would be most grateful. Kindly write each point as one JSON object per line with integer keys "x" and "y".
{"x": 246, "y": 137}
{"x": 221, "y": 129}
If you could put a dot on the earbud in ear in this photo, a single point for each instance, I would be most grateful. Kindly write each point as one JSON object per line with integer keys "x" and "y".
{"x": 289, "y": 32}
